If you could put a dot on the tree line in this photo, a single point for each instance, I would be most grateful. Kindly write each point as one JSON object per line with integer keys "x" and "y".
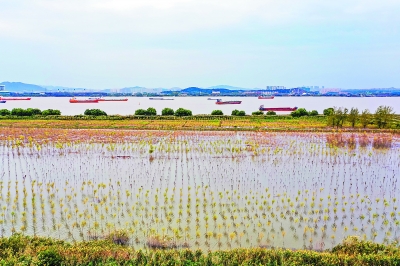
{"x": 384, "y": 117}
{"x": 29, "y": 112}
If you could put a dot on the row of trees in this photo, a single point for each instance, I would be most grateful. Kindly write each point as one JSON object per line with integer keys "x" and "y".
{"x": 29, "y": 112}
{"x": 303, "y": 112}
{"x": 166, "y": 111}
{"x": 383, "y": 116}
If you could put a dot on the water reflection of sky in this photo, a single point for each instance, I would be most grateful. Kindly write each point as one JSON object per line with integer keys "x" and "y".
{"x": 285, "y": 190}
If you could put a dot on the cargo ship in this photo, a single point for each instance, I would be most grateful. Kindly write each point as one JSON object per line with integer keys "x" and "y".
{"x": 75, "y": 100}
{"x": 263, "y": 97}
{"x": 15, "y": 98}
{"x": 278, "y": 109}
{"x": 219, "y": 101}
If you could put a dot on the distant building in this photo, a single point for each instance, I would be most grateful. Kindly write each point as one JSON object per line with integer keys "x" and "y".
{"x": 3, "y": 90}
{"x": 275, "y": 87}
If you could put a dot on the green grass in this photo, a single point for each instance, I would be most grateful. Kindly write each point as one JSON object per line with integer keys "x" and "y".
{"x": 24, "y": 250}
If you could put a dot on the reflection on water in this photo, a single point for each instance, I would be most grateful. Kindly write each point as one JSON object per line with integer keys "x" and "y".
{"x": 228, "y": 190}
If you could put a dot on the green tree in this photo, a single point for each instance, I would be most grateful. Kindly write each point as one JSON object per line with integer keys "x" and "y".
{"x": 140, "y": 112}
{"x": 4, "y": 112}
{"x": 34, "y": 111}
{"x": 328, "y": 111}
{"x": 241, "y": 113}
{"x": 353, "y": 116}
{"x": 313, "y": 113}
{"x": 95, "y": 112}
{"x": 167, "y": 111}
{"x": 21, "y": 112}
{"x": 340, "y": 116}
{"x": 331, "y": 114}
{"x": 257, "y": 113}
{"x": 183, "y": 112}
{"x": 299, "y": 112}
{"x": 217, "y": 112}
{"x": 365, "y": 117}
{"x": 384, "y": 116}
{"x": 51, "y": 112}
{"x": 235, "y": 112}
{"x": 271, "y": 113}
{"x": 151, "y": 111}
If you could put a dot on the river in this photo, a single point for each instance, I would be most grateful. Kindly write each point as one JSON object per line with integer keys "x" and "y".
{"x": 200, "y": 105}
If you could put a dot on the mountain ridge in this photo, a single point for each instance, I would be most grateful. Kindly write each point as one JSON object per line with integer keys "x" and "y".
{"x": 26, "y": 87}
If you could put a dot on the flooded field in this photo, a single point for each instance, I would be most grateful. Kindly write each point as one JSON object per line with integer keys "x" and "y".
{"x": 208, "y": 190}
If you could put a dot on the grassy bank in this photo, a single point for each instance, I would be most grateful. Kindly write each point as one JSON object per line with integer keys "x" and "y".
{"x": 203, "y": 122}
{"x": 24, "y": 250}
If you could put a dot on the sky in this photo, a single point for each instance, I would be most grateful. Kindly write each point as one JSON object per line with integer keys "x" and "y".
{"x": 99, "y": 44}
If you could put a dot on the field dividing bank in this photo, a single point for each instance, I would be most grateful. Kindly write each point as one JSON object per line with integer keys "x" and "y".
{"x": 23, "y": 250}
{"x": 207, "y": 190}
{"x": 215, "y": 124}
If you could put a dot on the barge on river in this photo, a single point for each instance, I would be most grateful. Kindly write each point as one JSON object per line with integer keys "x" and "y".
{"x": 278, "y": 109}
{"x": 15, "y": 98}
{"x": 219, "y": 101}
{"x": 264, "y": 97}
{"x": 75, "y": 100}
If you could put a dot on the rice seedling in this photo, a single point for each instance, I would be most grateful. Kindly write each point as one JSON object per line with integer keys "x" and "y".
{"x": 211, "y": 190}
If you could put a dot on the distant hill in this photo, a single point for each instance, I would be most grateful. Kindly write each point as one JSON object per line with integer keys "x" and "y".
{"x": 21, "y": 87}
{"x": 196, "y": 90}
{"x": 228, "y": 87}
{"x": 25, "y": 87}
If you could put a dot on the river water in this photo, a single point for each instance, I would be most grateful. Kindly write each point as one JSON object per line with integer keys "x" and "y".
{"x": 200, "y": 105}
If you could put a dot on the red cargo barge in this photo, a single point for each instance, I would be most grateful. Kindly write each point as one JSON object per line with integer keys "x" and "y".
{"x": 278, "y": 109}
{"x": 75, "y": 100}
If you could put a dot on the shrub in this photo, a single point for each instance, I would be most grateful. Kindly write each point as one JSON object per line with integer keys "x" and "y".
{"x": 119, "y": 237}
{"x": 313, "y": 113}
{"x": 300, "y": 112}
{"x": 140, "y": 112}
{"x": 4, "y": 112}
{"x": 167, "y": 111}
{"x": 183, "y": 112}
{"x": 271, "y": 113}
{"x": 49, "y": 257}
{"x": 51, "y": 112}
{"x": 257, "y": 113}
{"x": 95, "y": 112}
{"x": 217, "y": 112}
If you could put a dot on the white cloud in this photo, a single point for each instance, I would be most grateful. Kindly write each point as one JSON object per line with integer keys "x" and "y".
{"x": 43, "y": 18}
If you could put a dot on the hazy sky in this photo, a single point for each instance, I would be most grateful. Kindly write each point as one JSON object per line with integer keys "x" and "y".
{"x": 165, "y": 43}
